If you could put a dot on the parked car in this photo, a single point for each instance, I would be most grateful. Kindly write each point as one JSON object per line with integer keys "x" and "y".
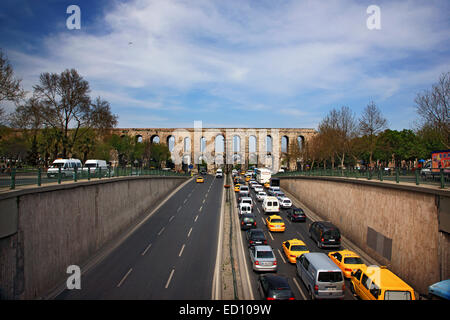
{"x": 247, "y": 221}
{"x": 326, "y": 234}
{"x": 322, "y": 278}
{"x": 274, "y": 287}
{"x": 255, "y": 237}
{"x": 263, "y": 258}
{"x": 67, "y": 167}
{"x": 439, "y": 290}
{"x": 379, "y": 283}
{"x": 296, "y": 214}
{"x": 261, "y": 195}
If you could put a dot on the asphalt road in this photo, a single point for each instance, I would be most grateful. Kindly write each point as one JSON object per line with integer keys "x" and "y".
{"x": 170, "y": 256}
{"x": 298, "y": 230}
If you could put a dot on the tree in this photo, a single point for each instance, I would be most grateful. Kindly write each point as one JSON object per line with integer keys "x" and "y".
{"x": 371, "y": 124}
{"x": 10, "y": 89}
{"x": 67, "y": 106}
{"x": 433, "y": 108}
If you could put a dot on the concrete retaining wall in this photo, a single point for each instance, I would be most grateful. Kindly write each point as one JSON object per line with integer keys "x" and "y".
{"x": 396, "y": 225}
{"x": 62, "y": 225}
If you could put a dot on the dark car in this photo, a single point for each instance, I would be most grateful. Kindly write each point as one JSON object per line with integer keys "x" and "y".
{"x": 274, "y": 287}
{"x": 247, "y": 221}
{"x": 326, "y": 234}
{"x": 256, "y": 237}
{"x": 296, "y": 214}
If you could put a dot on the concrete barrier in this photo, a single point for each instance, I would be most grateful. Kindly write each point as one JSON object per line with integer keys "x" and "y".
{"x": 49, "y": 228}
{"x": 401, "y": 226}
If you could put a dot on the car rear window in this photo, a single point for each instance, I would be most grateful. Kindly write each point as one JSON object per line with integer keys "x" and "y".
{"x": 264, "y": 254}
{"x": 353, "y": 260}
{"x": 280, "y": 293}
{"x": 397, "y": 295}
{"x": 249, "y": 220}
{"x": 298, "y": 247}
{"x": 276, "y": 221}
{"x": 331, "y": 234}
{"x": 258, "y": 236}
{"x": 330, "y": 276}
{"x": 247, "y": 201}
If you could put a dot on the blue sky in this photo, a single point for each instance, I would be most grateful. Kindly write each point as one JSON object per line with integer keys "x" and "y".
{"x": 235, "y": 63}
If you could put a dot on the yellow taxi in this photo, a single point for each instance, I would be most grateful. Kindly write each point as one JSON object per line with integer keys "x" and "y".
{"x": 275, "y": 224}
{"x": 347, "y": 261}
{"x": 200, "y": 180}
{"x": 267, "y": 185}
{"x": 294, "y": 248}
{"x": 247, "y": 178}
{"x": 237, "y": 187}
{"x": 379, "y": 283}
{"x": 242, "y": 173}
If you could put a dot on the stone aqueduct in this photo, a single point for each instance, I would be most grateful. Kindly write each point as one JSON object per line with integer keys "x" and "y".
{"x": 265, "y": 147}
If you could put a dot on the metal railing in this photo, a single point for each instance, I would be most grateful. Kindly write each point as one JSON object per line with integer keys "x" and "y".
{"x": 38, "y": 176}
{"x": 398, "y": 175}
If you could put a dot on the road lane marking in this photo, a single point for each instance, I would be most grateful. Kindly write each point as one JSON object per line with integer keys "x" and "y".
{"x": 270, "y": 234}
{"x": 171, "y": 218}
{"x": 179, "y": 209}
{"x": 299, "y": 288}
{"x": 185, "y": 200}
{"x": 196, "y": 217}
{"x": 282, "y": 258}
{"x": 161, "y": 231}
{"x": 204, "y": 200}
{"x": 200, "y": 210}
{"x": 189, "y": 233}
{"x": 181, "y": 251}
{"x": 264, "y": 222}
{"x": 258, "y": 210}
{"x": 146, "y": 249}
{"x": 124, "y": 277}
{"x": 298, "y": 232}
{"x": 170, "y": 278}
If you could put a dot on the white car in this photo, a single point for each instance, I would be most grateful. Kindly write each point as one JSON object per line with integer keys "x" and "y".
{"x": 247, "y": 200}
{"x": 285, "y": 202}
{"x": 258, "y": 188}
{"x": 261, "y": 195}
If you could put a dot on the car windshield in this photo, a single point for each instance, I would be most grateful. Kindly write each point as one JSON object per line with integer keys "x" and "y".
{"x": 275, "y": 220}
{"x": 299, "y": 247}
{"x": 258, "y": 236}
{"x": 57, "y": 165}
{"x": 353, "y": 260}
{"x": 330, "y": 276}
{"x": 264, "y": 254}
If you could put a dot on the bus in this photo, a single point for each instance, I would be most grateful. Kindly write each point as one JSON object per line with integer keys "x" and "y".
{"x": 439, "y": 160}
{"x": 263, "y": 175}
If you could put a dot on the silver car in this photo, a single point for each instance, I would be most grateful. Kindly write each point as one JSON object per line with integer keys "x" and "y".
{"x": 322, "y": 278}
{"x": 263, "y": 258}
{"x": 258, "y": 188}
{"x": 261, "y": 195}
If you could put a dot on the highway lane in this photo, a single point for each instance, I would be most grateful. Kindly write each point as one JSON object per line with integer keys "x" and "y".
{"x": 170, "y": 256}
{"x": 298, "y": 230}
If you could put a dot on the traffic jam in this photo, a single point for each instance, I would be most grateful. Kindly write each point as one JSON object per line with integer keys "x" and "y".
{"x": 292, "y": 257}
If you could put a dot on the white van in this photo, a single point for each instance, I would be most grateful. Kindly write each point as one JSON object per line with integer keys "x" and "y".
{"x": 271, "y": 205}
{"x": 96, "y": 166}
{"x": 219, "y": 173}
{"x": 67, "y": 167}
{"x": 272, "y": 190}
{"x": 244, "y": 208}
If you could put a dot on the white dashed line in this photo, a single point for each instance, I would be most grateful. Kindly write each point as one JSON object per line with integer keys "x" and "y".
{"x": 170, "y": 278}
{"x": 282, "y": 258}
{"x": 171, "y": 218}
{"x": 179, "y": 209}
{"x": 161, "y": 231}
{"x": 299, "y": 288}
{"x": 181, "y": 251}
{"x": 124, "y": 277}
{"x": 196, "y": 217}
{"x": 200, "y": 210}
{"x": 146, "y": 249}
{"x": 189, "y": 233}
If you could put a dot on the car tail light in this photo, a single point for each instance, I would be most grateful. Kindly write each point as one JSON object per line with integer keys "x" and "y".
{"x": 343, "y": 286}
{"x": 251, "y": 241}
{"x": 271, "y": 225}
{"x": 348, "y": 270}
{"x": 254, "y": 223}
{"x": 292, "y": 256}
{"x": 257, "y": 262}
{"x": 322, "y": 239}
{"x": 275, "y": 263}
{"x": 316, "y": 288}
{"x": 291, "y": 298}
{"x": 270, "y": 298}
{"x": 242, "y": 223}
